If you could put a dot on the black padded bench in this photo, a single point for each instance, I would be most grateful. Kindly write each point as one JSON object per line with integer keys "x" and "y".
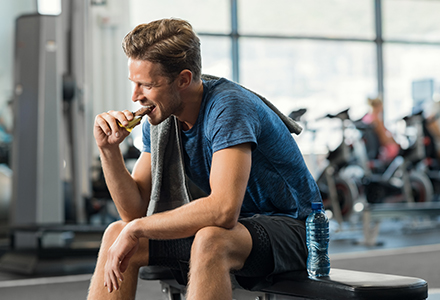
{"x": 340, "y": 285}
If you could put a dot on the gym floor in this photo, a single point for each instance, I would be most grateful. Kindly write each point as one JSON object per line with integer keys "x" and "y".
{"x": 404, "y": 247}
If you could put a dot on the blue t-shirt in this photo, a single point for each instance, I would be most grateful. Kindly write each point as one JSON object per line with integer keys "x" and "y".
{"x": 279, "y": 182}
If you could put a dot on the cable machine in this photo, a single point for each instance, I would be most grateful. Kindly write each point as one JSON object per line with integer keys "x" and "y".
{"x": 50, "y": 156}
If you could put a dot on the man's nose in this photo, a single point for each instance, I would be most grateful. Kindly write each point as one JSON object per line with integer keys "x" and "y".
{"x": 136, "y": 92}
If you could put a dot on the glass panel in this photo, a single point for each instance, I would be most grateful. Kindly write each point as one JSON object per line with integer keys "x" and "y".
{"x": 411, "y": 20}
{"x": 330, "y": 18}
{"x": 322, "y": 76}
{"x": 405, "y": 64}
{"x": 216, "y": 56}
{"x": 204, "y": 15}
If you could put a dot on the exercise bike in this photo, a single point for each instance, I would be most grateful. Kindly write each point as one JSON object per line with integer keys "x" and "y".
{"x": 398, "y": 180}
{"x": 422, "y": 153}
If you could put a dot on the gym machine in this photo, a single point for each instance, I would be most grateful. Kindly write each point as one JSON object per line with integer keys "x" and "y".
{"x": 51, "y": 180}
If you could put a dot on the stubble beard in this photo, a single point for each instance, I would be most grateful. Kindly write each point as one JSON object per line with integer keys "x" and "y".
{"x": 174, "y": 107}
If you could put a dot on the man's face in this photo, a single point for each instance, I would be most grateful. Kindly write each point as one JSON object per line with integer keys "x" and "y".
{"x": 150, "y": 87}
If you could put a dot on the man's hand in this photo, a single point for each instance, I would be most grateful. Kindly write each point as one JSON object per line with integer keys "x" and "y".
{"x": 106, "y": 129}
{"x": 118, "y": 257}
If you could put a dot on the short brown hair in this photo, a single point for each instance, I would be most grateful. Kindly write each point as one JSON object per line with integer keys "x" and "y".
{"x": 169, "y": 42}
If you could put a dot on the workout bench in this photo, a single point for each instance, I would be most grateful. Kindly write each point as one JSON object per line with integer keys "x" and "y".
{"x": 339, "y": 285}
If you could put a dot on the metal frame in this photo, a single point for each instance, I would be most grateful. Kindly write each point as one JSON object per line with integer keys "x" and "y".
{"x": 171, "y": 290}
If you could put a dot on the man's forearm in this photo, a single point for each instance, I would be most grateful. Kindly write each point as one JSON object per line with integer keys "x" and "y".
{"x": 186, "y": 220}
{"x": 229, "y": 176}
{"x": 123, "y": 189}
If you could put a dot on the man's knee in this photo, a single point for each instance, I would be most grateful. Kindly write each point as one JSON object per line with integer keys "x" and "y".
{"x": 112, "y": 231}
{"x": 210, "y": 241}
{"x": 216, "y": 246}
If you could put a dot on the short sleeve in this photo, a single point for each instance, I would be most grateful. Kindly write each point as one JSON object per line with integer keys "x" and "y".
{"x": 146, "y": 137}
{"x": 233, "y": 121}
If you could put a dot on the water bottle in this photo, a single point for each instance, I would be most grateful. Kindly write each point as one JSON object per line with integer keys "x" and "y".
{"x": 317, "y": 238}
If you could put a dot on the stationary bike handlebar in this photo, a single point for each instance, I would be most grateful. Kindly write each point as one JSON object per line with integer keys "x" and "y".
{"x": 297, "y": 114}
{"x": 342, "y": 115}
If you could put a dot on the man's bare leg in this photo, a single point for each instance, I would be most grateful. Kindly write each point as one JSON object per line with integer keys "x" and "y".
{"x": 127, "y": 290}
{"x": 215, "y": 252}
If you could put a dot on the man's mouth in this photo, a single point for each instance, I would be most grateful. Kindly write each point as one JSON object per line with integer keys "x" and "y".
{"x": 151, "y": 108}
{"x": 145, "y": 110}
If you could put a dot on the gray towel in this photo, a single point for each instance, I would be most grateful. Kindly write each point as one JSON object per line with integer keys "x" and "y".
{"x": 169, "y": 183}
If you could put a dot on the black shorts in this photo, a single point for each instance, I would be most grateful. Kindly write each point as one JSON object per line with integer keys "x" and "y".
{"x": 278, "y": 245}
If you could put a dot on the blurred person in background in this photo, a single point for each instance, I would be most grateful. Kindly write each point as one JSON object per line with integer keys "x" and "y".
{"x": 388, "y": 148}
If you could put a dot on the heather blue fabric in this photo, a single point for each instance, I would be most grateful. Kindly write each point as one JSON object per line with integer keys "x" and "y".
{"x": 279, "y": 183}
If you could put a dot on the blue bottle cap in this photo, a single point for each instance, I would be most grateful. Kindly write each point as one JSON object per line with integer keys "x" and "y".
{"x": 316, "y": 205}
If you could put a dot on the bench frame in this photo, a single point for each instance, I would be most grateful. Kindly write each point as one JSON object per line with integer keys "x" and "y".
{"x": 340, "y": 284}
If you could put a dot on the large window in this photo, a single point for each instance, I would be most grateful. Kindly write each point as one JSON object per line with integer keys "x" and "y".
{"x": 403, "y": 65}
{"x": 411, "y": 20}
{"x": 303, "y": 73}
{"x": 411, "y": 52}
{"x": 323, "y": 55}
{"x": 320, "y": 18}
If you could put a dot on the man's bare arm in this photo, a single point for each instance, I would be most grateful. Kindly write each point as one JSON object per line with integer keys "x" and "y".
{"x": 229, "y": 177}
{"x": 230, "y": 172}
{"x": 130, "y": 193}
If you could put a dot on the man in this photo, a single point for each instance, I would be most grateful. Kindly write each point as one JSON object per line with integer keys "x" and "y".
{"x": 236, "y": 149}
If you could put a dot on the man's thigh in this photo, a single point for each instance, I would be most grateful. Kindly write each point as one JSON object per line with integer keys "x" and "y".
{"x": 173, "y": 253}
{"x": 278, "y": 245}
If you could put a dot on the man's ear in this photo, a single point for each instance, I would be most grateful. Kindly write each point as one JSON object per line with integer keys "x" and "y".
{"x": 184, "y": 79}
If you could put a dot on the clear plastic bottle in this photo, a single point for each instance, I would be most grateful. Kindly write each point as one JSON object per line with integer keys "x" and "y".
{"x": 317, "y": 238}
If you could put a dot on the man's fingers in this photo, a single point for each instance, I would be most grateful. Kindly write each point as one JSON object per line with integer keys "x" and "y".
{"x": 118, "y": 257}
{"x": 124, "y": 262}
{"x": 114, "y": 280}
{"x": 107, "y": 123}
{"x": 108, "y": 126}
{"x": 111, "y": 281}
{"x": 112, "y": 121}
{"x": 107, "y": 281}
{"x": 117, "y": 273}
{"x": 102, "y": 123}
{"x": 129, "y": 115}
{"x": 121, "y": 116}
{"x": 113, "y": 270}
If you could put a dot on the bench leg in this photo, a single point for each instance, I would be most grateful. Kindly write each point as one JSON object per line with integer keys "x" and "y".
{"x": 238, "y": 294}
{"x": 172, "y": 292}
